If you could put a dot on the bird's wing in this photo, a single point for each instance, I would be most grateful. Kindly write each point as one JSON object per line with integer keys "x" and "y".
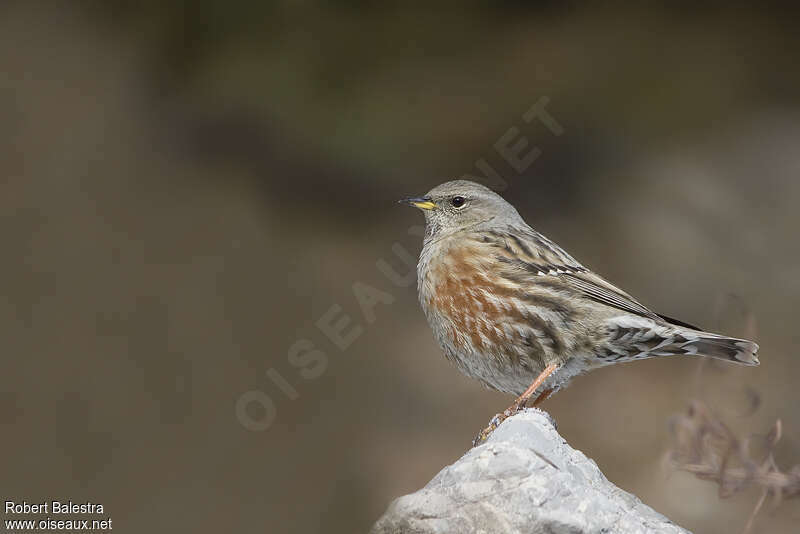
{"x": 596, "y": 288}
{"x": 529, "y": 257}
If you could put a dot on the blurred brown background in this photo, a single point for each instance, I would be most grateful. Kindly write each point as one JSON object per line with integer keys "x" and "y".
{"x": 188, "y": 187}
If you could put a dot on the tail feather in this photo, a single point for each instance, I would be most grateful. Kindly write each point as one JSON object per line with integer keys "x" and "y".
{"x": 730, "y": 349}
{"x": 634, "y": 338}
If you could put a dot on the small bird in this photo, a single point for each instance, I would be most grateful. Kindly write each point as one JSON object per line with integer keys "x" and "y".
{"x": 516, "y": 312}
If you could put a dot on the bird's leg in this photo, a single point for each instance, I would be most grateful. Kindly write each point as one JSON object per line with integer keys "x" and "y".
{"x": 543, "y": 396}
{"x": 523, "y": 399}
{"x": 518, "y": 404}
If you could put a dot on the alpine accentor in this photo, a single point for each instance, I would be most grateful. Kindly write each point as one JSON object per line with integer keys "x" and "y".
{"x": 515, "y": 311}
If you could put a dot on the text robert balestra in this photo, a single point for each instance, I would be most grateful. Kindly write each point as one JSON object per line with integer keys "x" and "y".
{"x": 53, "y": 507}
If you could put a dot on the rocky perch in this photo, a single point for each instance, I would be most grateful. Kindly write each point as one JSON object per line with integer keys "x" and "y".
{"x": 525, "y": 478}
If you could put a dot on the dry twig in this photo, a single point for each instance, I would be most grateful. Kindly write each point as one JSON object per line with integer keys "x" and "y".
{"x": 705, "y": 446}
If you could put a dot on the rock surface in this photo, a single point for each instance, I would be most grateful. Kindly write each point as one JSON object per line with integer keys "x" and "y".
{"x": 525, "y": 479}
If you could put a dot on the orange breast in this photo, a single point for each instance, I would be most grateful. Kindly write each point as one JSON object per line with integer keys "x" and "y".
{"x": 463, "y": 295}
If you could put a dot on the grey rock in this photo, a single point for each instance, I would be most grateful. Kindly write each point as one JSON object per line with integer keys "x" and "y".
{"x": 524, "y": 479}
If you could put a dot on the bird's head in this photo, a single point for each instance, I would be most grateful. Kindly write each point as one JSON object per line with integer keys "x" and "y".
{"x": 460, "y": 205}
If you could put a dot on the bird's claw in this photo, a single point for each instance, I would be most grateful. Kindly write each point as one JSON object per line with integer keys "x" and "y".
{"x": 483, "y": 435}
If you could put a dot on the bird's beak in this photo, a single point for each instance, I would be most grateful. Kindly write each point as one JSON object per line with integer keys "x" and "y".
{"x": 423, "y": 203}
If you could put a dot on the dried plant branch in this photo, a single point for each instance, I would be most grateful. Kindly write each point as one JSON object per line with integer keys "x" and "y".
{"x": 704, "y": 446}
{"x": 748, "y": 527}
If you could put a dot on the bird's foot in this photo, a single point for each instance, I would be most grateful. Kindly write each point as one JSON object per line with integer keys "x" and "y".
{"x": 519, "y": 404}
{"x": 483, "y": 435}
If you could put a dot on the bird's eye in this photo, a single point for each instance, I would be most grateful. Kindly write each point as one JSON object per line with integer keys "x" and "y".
{"x": 457, "y": 202}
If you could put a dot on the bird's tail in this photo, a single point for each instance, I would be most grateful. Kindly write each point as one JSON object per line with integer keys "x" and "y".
{"x": 633, "y": 338}
{"x": 739, "y": 351}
